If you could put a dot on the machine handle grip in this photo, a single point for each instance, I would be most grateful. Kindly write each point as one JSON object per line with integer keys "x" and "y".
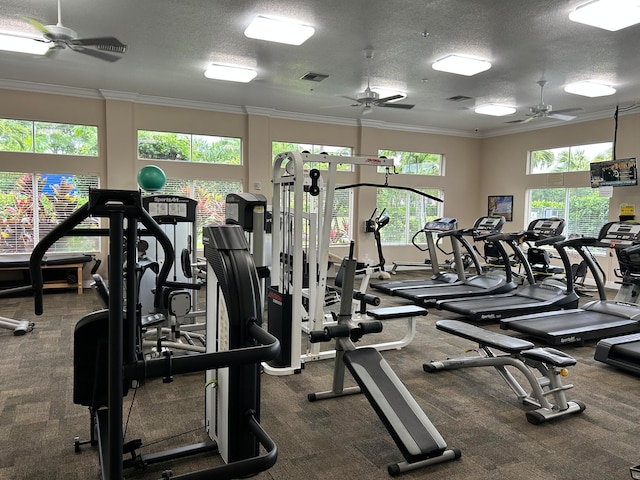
{"x": 374, "y": 326}
{"x": 367, "y": 298}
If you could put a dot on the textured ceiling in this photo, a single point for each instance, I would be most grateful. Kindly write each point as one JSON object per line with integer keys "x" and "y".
{"x": 171, "y": 42}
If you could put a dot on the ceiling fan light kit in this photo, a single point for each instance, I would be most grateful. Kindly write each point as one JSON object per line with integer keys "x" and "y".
{"x": 279, "y": 31}
{"x": 589, "y": 89}
{"x": 461, "y": 65}
{"x": 495, "y": 109}
{"x": 58, "y": 37}
{"x": 612, "y": 15}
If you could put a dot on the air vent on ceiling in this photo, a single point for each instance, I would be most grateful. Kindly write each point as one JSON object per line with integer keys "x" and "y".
{"x": 459, "y": 98}
{"x": 314, "y": 77}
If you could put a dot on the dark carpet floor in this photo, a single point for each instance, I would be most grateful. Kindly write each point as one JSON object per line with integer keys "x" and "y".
{"x": 473, "y": 409}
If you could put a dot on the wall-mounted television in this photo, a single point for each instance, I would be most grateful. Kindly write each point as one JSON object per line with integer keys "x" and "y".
{"x": 616, "y": 173}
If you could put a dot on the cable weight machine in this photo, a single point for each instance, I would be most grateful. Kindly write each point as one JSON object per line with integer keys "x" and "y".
{"x": 302, "y": 206}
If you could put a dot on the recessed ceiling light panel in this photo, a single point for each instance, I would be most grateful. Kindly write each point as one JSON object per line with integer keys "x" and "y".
{"x": 280, "y": 31}
{"x": 16, "y": 43}
{"x": 461, "y": 65}
{"x": 589, "y": 89}
{"x": 610, "y": 15}
{"x": 230, "y": 73}
{"x": 495, "y": 109}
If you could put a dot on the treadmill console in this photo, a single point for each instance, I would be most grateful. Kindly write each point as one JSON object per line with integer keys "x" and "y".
{"x": 546, "y": 227}
{"x": 441, "y": 225}
{"x": 487, "y": 225}
{"x": 613, "y": 234}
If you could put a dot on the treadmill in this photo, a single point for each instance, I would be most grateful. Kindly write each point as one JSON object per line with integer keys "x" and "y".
{"x": 532, "y": 298}
{"x": 482, "y": 283}
{"x": 431, "y": 229}
{"x": 597, "y": 319}
{"x": 624, "y": 351}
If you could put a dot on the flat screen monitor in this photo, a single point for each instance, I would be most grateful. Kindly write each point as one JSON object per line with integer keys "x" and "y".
{"x": 616, "y": 173}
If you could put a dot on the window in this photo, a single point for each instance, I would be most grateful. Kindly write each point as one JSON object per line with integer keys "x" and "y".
{"x": 280, "y": 147}
{"x": 408, "y": 212}
{"x": 568, "y": 159}
{"x": 413, "y": 163}
{"x": 583, "y": 210}
{"x": 210, "y": 195}
{"x": 32, "y": 204}
{"x": 186, "y": 147}
{"x": 44, "y": 137}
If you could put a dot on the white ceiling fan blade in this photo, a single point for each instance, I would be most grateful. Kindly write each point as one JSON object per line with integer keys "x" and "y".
{"x": 405, "y": 106}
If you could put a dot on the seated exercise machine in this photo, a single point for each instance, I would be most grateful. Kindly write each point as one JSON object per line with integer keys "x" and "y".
{"x": 416, "y": 437}
{"x": 531, "y": 298}
{"x": 483, "y": 283}
{"x": 107, "y": 362}
{"x": 520, "y": 354}
{"x": 597, "y": 319}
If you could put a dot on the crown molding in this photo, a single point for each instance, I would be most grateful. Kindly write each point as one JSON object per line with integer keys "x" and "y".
{"x": 280, "y": 114}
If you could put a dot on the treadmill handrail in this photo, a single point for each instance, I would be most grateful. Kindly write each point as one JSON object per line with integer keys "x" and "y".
{"x": 549, "y": 240}
{"x": 578, "y": 241}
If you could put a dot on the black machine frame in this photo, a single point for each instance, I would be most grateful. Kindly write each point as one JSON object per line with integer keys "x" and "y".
{"x": 124, "y": 363}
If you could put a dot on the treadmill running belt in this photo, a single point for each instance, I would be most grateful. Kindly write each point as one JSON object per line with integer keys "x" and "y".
{"x": 562, "y": 327}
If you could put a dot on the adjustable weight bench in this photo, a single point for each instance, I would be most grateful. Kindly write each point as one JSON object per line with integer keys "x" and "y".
{"x": 416, "y": 437}
{"x": 521, "y": 354}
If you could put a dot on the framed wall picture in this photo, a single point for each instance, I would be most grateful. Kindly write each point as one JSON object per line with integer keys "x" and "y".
{"x": 500, "y": 206}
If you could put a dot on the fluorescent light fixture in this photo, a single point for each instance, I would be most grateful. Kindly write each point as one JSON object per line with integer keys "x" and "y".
{"x": 612, "y": 15}
{"x": 280, "y": 31}
{"x": 495, "y": 109}
{"x": 589, "y": 89}
{"x": 14, "y": 43}
{"x": 461, "y": 65}
{"x": 230, "y": 73}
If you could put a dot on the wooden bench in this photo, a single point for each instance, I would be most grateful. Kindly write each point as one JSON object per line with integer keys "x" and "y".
{"x": 20, "y": 263}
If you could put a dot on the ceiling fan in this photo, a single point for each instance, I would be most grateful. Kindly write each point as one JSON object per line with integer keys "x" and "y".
{"x": 369, "y": 98}
{"x": 543, "y": 110}
{"x": 61, "y": 37}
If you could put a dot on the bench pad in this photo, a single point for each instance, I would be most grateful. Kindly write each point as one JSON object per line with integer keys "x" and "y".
{"x": 483, "y": 336}
{"x": 389, "y": 313}
{"x": 409, "y": 426}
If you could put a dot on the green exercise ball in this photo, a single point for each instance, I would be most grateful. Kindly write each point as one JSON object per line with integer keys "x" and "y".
{"x": 151, "y": 178}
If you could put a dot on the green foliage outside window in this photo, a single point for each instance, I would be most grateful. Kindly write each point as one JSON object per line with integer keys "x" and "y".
{"x": 413, "y": 163}
{"x": 408, "y": 212}
{"x": 569, "y": 159}
{"x": 45, "y": 137}
{"x": 186, "y": 147}
{"x": 583, "y": 210}
{"x": 31, "y": 205}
